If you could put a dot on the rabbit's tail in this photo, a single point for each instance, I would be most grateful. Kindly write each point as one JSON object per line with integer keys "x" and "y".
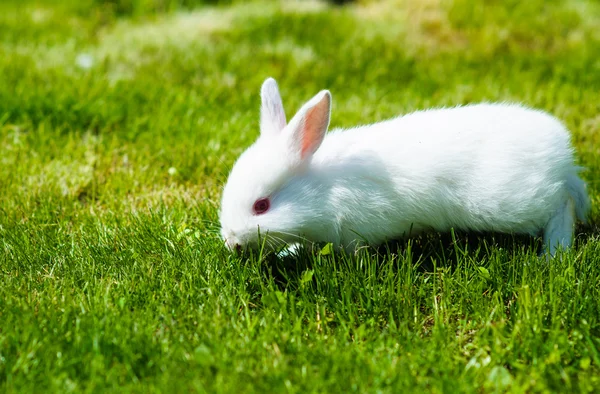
{"x": 576, "y": 188}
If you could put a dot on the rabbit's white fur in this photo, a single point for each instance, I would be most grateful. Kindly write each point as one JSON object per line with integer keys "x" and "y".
{"x": 484, "y": 167}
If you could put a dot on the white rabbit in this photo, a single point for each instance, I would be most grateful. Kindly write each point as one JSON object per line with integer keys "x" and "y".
{"x": 484, "y": 167}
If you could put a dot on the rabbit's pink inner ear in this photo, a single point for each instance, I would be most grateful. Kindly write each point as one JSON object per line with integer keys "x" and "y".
{"x": 316, "y": 121}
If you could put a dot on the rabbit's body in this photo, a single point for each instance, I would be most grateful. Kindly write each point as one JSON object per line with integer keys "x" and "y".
{"x": 485, "y": 167}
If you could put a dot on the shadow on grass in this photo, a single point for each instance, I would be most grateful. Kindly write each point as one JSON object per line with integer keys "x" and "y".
{"x": 427, "y": 251}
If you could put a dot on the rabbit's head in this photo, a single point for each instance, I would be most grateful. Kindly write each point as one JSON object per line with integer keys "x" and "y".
{"x": 268, "y": 191}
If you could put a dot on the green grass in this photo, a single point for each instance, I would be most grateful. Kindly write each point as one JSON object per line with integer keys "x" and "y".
{"x": 113, "y": 274}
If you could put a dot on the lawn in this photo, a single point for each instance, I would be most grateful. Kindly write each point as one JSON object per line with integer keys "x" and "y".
{"x": 119, "y": 122}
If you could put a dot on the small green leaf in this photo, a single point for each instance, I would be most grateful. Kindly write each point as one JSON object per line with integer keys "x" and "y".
{"x": 281, "y": 298}
{"x": 306, "y": 277}
{"x": 327, "y": 250}
{"x": 485, "y": 273}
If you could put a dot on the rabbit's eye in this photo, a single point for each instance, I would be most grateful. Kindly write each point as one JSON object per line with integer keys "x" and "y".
{"x": 261, "y": 206}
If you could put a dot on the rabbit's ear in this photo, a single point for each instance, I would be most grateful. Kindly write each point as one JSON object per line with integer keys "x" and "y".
{"x": 307, "y": 128}
{"x": 272, "y": 115}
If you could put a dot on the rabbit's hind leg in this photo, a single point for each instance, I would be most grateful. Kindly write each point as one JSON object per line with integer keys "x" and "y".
{"x": 559, "y": 230}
